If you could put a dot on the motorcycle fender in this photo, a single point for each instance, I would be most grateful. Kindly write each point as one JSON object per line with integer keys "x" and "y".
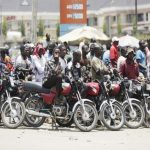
{"x": 132, "y": 100}
{"x": 7, "y": 101}
{"x": 105, "y": 102}
{"x": 84, "y": 101}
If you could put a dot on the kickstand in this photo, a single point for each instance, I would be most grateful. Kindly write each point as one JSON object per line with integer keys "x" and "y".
{"x": 54, "y": 125}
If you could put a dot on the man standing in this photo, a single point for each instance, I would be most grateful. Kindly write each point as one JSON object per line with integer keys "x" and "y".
{"x": 114, "y": 52}
{"x": 141, "y": 57}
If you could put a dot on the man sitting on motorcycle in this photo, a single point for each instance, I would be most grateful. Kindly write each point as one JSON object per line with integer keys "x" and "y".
{"x": 53, "y": 74}
{"x": 130, "y": 67}
{"x": 98, "y": 67}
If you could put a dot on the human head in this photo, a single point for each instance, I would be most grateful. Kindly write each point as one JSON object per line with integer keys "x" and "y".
{"x": 63, "y": 50}
{"x": 39, "y": 50}
{"x": 98, "y": 50}
{"x": 76, "y": 56}
{"x": 115, "y": 40}
{"x": 123, "y": 51}
{"x": 56, "y": 53}
{"x": 47, "y": 37}
{"x": 51, "y": 47}
{"x": 93, "y": 40}
{"x": 142, "y": 44}
{"x": 85, "y": 50}
{"x": 130, "y": 53}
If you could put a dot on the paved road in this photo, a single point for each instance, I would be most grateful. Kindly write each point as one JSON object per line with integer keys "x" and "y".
{"x": 44, "y": 138}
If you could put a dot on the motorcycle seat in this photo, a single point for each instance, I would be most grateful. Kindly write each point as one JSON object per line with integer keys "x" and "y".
{"x": 35, "y": 87}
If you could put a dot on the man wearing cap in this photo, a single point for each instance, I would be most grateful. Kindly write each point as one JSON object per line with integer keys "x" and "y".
{"x": 130, "y": 68}
{"x": 114, "y": 52}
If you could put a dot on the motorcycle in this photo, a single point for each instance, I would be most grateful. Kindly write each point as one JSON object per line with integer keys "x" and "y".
{"x": 143, "y": 93}
{"x": 110, "y": 111}
{"x": 12, "y": 109}
{"x": 133, "y": 109}
{"x": 73, "y": 109}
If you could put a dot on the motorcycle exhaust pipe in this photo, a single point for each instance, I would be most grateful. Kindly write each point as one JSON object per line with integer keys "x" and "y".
{"x": 32, "y": 112}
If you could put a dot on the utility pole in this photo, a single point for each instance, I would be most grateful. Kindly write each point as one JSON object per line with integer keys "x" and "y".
{"x": 34, "y": 21}
{"x": 136, "y": 25}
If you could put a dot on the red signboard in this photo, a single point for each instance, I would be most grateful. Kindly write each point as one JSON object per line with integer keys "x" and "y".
{"x": 73, "y": 11}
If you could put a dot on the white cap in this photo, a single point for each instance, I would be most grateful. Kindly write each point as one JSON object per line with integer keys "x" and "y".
{"x": 115, "y": 39}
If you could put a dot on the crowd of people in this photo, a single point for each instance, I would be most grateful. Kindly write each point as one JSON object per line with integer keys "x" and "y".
{"x": 46, "y": 62}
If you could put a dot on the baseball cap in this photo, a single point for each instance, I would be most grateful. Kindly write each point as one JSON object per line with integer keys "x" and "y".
{"x": 115, "y": 39}
{"x": 129, "y": 50}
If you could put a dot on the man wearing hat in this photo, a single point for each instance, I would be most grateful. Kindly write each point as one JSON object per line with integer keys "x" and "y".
{"x": 130, "y": 68}
{"x": 114, "y": 52}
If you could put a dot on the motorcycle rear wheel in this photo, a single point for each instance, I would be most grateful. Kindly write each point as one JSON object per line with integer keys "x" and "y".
{"x": 13, "y": 119}
{"x": 91, "y": 122}
{"x": 34, "y": 103}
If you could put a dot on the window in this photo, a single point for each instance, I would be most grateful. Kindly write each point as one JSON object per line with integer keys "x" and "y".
{"x": 129, "y": 18}
{"x": 92, "y": 21}
{"x": 146, "y": 16}
{"x": 140, "y": 17}
{"x": 114, "y": 19}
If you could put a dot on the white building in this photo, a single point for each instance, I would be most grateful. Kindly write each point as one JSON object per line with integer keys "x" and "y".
{"x": 100, "y": 13}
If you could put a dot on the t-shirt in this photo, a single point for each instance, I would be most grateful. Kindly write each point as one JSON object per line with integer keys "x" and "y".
{"x": 131, "y": 71}
{"x": 114, "y": 53}
{"x": 140, "y": 55}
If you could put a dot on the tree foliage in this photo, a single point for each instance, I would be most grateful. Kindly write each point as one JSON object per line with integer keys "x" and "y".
{"x": 22, "y": 28}
{"x": 40, "y": 27}
{"x": 4, "y": 26}
{"x": 104, "y": 26}
{"x": 119, "y": 25}
{"x": 58, "y": 30}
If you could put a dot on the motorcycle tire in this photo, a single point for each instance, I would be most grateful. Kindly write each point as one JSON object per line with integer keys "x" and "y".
{"x": 138, "y": 120}
{"x": 13, "y": 119}
{"x": 110, "y": 123}
{"x": 31, "y": 120}
{"x": 83, "y": 124}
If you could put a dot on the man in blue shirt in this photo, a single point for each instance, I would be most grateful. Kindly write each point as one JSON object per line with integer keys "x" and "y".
{"x": 141, "y": 57}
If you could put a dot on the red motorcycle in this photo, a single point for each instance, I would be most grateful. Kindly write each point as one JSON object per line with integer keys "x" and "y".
{"x": 73, "y": 109}
{"x": 110, "y": 111}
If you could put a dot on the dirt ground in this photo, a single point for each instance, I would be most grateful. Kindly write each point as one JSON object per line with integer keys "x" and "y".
{"x": 44, "y": 138}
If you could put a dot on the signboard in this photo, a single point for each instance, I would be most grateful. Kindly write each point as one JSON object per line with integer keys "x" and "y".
{"x": 73, "y": 11}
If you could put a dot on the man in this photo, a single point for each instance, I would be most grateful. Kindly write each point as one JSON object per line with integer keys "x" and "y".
{"x": 130, "y": 68}
{"x": 122, "y": 58}
{"x": 85, "y": 64}
{"x": 49, "y": 52}
{"x": 62, "y": 60}
{"x": 114, "y": 52}
{"x": 141, "y": 57}
{"x": 53, "y": 74}
{"x": 98, "y": 67}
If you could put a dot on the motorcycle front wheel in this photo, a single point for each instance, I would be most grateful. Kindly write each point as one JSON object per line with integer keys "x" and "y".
{"x": 85, "y": 121}
{"x": 115, "y": 122}
{"x": 134, "y": 120}
{"x": 13, "y": 118}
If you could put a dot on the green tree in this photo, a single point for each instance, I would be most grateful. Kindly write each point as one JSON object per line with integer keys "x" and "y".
{"x": 41, "y": 27}
{"x": 4, "y": 26}
{"x": 58, "y": 29}
{"x": 104, "y": 26}
{"x": 22, "y": 28}
{"x": 119, "y": 25}
{"x": 134, "y": 25}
